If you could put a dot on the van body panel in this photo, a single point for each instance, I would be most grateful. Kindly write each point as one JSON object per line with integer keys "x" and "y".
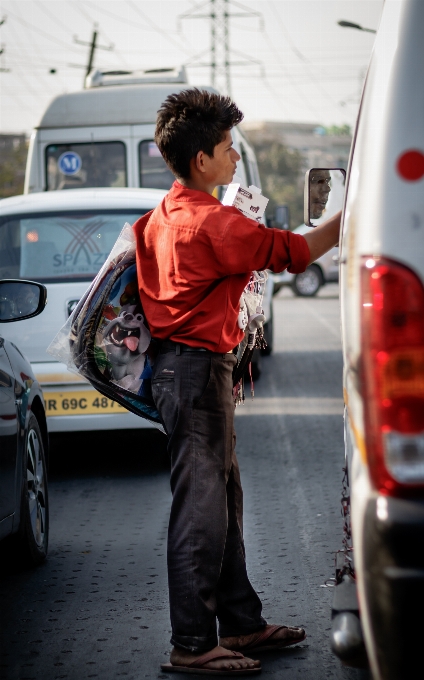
{"x": 363, "y": 227}
{"x": 86, "y": 134}
{"x": 142, "y": 132}
{"x": 32, "y": 176}
{"x": 139, "y": 133}
{"x": 383, "y": 216}
{"x": 123, "y": 105}
{"x": 388, "y": 211}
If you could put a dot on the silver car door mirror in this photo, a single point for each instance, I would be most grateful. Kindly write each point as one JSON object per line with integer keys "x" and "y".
{"x": 324, "y": 194}
{"x": 21, "y": 299}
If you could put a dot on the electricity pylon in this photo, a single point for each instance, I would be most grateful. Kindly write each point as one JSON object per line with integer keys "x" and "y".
{"x": 219, "y": 13}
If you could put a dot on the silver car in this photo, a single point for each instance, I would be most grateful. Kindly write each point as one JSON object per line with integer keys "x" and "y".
{"x": 322, "y": 271}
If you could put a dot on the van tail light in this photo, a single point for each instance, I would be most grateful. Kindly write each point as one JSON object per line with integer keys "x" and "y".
{"x": 392, "y": 375}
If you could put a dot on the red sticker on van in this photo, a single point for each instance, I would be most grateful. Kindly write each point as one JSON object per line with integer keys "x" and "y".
{"x": 410, "y": 165}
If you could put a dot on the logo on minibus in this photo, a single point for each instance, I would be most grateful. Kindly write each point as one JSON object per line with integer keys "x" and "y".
{"x": 69, "y": 163}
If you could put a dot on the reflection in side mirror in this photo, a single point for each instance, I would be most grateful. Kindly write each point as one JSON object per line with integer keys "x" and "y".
{"x": 21, "y": 299}
{"x": 324, "y": 193}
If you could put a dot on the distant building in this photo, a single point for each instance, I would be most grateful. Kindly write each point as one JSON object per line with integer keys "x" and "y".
{"x": 9, "y": 143}
{"x": 320, "y": 147}
{"x": 13, "y": 153}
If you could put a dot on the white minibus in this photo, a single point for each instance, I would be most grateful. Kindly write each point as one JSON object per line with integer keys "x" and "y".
{"x": 102, "y": 136}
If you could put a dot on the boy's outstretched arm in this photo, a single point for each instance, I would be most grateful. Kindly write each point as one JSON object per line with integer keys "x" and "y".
{"x": 324, "y": 237}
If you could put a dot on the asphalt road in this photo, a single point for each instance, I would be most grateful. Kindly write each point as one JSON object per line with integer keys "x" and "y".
{"x": 98, "y": 607}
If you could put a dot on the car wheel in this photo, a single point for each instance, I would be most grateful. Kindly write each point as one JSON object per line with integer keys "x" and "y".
{"x": 308, "y": 283}
{"x": 33, "y": 534}
{"x": 269, "y": 336}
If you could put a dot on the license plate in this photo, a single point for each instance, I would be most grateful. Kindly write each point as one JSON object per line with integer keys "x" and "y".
{"x": 84, "y": 402}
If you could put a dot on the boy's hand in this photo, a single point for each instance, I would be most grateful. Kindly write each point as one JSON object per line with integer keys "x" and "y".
{"x": 323, "y": 238}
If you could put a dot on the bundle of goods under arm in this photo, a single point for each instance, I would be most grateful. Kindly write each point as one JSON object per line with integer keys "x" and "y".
{"x": 250, "y": 202}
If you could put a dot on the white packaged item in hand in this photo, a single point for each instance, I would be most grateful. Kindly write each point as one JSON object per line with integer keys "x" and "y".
{"x": 248, "y": 200}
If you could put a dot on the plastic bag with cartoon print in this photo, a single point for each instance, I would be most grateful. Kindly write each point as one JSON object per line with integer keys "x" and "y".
{"x": 107, "y": 339}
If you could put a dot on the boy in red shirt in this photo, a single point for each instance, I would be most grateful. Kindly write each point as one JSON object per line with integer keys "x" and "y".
{"x": 194, "y": 258}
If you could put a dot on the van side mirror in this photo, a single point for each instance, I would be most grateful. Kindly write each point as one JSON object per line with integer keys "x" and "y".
{"x": 21, "y": 299}
{"x": 324, "y": 194}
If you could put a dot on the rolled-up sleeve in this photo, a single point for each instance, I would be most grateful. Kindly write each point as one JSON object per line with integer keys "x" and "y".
{"x": 299, "y": 253}
{"x": 248, "y": 246}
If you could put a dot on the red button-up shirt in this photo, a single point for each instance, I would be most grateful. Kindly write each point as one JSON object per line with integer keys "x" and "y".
{"x": 194, "y": 258}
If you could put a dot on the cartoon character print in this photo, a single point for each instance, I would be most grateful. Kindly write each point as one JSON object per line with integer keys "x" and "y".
{"x": 125, "y": 339}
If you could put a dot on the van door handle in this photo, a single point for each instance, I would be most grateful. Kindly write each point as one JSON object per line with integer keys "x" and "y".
{"x": 339, "y": 260}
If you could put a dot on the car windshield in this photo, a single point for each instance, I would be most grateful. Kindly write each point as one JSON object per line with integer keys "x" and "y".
{"x": 61, "y": 246}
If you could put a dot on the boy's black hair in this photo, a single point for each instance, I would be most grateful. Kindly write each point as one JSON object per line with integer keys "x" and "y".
{"x": 192, "y": 121}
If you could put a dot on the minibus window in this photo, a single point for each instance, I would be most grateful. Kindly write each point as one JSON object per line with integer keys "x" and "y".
{"x": 154, "y": 172}
{"x": 59, "y": 247}
{"x": 77, "y": 166}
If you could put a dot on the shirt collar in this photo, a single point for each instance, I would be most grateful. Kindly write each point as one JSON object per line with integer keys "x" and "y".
{"x": 180, "y": 193}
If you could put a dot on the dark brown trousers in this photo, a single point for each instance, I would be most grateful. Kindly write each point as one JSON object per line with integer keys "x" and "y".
{"x": 206, "y": 558}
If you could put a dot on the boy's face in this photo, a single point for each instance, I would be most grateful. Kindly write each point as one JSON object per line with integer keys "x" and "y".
{"x": 222, "y": 166}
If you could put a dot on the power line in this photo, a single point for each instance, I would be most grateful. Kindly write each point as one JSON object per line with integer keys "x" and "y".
{"x": 40, "y": 31}
{"x": 133, "y": 24}
{"x": 65, "y": 28}
{"x": 290, "y": 78}
{"x": 90, "y": 19}
{"x": 297, "y": 52}
{"x": 51, "y": 16}
{"x": 311, "y": 77}
{"x": 287, "y": 36}
{"x": 219, "y": 13}
{"x": 154, "y": 26}
{"x": 18, "y": 40}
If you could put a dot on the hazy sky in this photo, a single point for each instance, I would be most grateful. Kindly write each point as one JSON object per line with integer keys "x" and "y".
{"x": 311, "y": 69}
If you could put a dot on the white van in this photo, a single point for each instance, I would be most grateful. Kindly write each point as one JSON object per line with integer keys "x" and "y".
{"x": 102, "y": 136}
{"x": 382, "y": 298}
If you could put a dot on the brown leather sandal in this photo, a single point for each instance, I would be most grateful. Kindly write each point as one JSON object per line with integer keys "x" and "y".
{"x": 262, "y": 642}
{"x": 198, "y": 665}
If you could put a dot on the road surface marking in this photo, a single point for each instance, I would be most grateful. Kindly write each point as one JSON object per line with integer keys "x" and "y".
{"x": 290, "y": 406}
